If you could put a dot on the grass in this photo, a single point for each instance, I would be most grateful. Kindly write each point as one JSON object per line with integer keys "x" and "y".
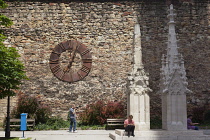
{"x": 91, "y": 127}
{"x": 13, "y": 138}
{"x": 204, "y": 125}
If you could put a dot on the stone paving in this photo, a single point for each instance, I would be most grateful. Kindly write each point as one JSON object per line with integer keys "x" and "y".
{"x": 62, "y": 135}
{"x": 104, "y": 135}
{"x": 159, "y": 134}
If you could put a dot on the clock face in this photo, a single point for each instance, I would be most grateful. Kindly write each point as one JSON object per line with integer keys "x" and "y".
{"x": 70, "y": 61}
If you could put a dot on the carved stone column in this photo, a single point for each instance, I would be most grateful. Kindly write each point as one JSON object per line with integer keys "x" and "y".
{"x": 173, "y": 85}
{"x": 138, "y": 98}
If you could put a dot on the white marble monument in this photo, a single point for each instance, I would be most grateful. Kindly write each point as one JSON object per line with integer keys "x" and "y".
{"x": 138, "y": 98}
{"x": 173, "y": 85}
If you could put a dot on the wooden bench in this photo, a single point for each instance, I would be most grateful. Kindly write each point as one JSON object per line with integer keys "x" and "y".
{"x": 30, "y": 123}
{"x": 115, "y": 122}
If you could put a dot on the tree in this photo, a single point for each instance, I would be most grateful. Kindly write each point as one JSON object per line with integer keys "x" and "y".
{"x": 11, "y": 71}
{"x": 11, "y": 68}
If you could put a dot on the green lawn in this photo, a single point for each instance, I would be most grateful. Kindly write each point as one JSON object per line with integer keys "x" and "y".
{"x": 13, "y": 138}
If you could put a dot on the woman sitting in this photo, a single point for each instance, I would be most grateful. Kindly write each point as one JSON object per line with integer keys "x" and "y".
{"x": 129, "y": 125}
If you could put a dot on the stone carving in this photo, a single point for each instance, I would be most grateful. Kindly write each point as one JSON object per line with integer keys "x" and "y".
{"x": 139, "y": 83}
{"x": 173, "y": 83}
{"x": 138, "y": 98}
{"x": 138, "y": 78}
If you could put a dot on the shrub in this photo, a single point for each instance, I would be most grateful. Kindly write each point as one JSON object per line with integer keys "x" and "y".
{"x": 97, "y": 113}
{"x": 57, "y": 121}
{"x": 156, "y": 123}
{"x": 198, "y": 114}
{"x": 53, "y": 123}
{"x": 115, "y": 110}
{"x": 42, "y": 127}
{"x": 207, "y": 116}
{"x": 31, "y": 105}
{"x": 93, "y": 114}
{"x": 42, "y": 114}
{"x": 26, "y": 104}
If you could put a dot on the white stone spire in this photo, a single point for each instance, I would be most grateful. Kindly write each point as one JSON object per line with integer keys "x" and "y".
{"x": 137, "y": 48}
{"x": 173, "y": 83}
{"x": 138, "y": 98}
{"x": 172, "y": 50}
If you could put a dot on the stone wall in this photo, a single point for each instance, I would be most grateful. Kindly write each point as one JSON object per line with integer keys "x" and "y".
{"x": 3, "y": 108}
{"x": 107, "y": 29}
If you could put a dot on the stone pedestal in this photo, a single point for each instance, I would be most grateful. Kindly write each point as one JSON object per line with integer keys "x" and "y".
{"x": 174, "y": 115}
{"x": 140, "y": 109}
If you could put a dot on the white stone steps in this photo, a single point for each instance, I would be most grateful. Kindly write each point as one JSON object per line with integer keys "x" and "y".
{"x": 161, "y": 135}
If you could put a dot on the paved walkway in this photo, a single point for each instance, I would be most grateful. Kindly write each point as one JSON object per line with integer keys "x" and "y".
{"x": 62, "y": 135}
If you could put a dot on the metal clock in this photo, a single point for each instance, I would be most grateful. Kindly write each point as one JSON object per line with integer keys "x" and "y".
{"x": 67, "y": 73}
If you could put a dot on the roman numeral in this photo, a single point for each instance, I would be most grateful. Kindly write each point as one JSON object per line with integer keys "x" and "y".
{"x": 87, "y": 60}
{"x": 80, "y": 76}
{"x": 56, "y": 53}
{"x": 61, "y": 75}
{"x": 85, "y": 52}
{"x": 85, "y": 69}
{"x": 62, "y": 47}
{"x": 78, "y": 46}
{"x": 71, "y": 77}
{"x": 56, "y": 69}
{"x": 54, "y": 61}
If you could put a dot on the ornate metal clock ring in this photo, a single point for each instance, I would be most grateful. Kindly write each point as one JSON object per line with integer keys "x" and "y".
{"x": 66, "y": 73}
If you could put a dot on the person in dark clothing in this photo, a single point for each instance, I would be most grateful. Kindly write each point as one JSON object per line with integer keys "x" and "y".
{"x": 190, "y": 124}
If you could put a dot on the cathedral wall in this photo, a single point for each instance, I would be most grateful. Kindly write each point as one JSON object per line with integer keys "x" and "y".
{"x": 107, "y": 29}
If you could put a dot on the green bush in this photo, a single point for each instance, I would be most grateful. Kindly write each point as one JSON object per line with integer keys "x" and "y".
{"x": 85, "y": 127}
{"x": 42, "y": 127}
{"x": 57, "y": 121}
{"x": 92, "y": 127}
{"x": 53, "y": 123}
{"x": 207, "y": 117}
{"x": 42, "y": 114}
{"x": 156, "y": 123}
{"x": 198, "y": 114}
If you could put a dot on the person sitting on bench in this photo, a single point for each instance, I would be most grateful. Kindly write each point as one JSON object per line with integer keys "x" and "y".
{"x": 129, "y": 125}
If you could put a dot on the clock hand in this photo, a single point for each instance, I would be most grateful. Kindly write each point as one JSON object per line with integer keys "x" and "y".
{"x": 73, "y": 54}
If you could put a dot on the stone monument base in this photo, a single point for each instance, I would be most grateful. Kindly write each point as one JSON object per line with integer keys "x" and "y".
{"x": 142, "y": 126}
{"x": 161, "y": 135}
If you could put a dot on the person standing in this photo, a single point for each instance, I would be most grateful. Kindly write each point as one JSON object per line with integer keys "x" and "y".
{"x": 129, "y": 125}
{"x": 73, "y": 122}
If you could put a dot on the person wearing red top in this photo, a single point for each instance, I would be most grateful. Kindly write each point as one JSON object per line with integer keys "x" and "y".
{"x": 129, "y": 125}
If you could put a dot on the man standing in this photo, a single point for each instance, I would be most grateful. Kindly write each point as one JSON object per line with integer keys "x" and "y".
{"x": 73, "y": 122}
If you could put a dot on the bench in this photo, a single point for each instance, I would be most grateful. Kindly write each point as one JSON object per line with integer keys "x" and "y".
{"x": 30, "y": 123}
{"x": 115, "y": 122}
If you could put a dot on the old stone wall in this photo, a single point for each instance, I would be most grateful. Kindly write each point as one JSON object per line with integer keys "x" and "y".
{"x": 107, "y": 29}
{"x": 3, "y": 108}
